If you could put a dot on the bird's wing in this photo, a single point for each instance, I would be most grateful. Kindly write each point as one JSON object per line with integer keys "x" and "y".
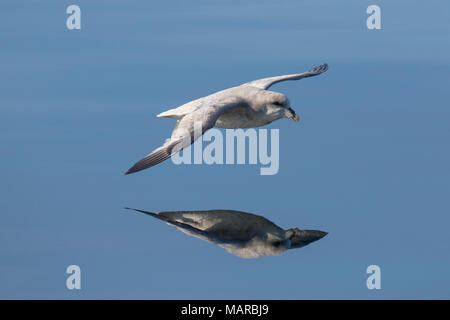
{"x": 187, "y": 130}
{"x": 158, "y": 155}
{"x": 225, "y": 225}
{"x": 265, "y": 83}
{"x": 184, "y": 227}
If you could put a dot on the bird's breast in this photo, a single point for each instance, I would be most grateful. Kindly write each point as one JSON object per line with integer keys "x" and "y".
{"x": 242, "y": 117}
{"x": 256, "y": 247}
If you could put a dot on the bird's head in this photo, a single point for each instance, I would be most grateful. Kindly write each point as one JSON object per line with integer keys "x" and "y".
{"x": 278, "y": 105}
{"x": 300, "y": 238}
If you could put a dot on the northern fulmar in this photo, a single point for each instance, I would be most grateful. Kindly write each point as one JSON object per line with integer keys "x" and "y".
{"x": 246, "y": 106}
{"x": 243, "y": 234}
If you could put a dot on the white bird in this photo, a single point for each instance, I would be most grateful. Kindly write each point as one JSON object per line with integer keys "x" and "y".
{"x": 243, "y": 234}
{"x": 245, "y": 106}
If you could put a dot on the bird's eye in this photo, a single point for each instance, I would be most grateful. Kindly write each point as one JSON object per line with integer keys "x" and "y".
{"x": 276, "y": 243}
{"x": 277, "y": 103}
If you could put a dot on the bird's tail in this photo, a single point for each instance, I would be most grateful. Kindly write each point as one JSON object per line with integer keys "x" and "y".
{"x": 172, "y": 113}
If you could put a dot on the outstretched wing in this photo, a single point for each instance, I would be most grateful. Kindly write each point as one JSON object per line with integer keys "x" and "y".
{"x": 187, "y": 130}
{"x": 181, "y": 226}
{"x": 157, "y": 156}
{"x": 265, "y": 83}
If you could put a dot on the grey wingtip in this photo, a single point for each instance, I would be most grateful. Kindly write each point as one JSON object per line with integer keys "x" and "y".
{"x": 322, "y": 68}
{"x": 136, "y": 167}
{"x": 317, "y": 70}
{"x": 131, "y": 170}
{"x": 143, "y": 211}
{"x": 133, "y": 209}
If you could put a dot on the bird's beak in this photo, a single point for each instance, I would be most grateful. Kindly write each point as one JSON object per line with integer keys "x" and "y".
{"x": 293, "y": 115}
{"x": 300, "y": 238}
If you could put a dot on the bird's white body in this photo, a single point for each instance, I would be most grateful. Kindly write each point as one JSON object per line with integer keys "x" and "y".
{"x": 252, "y": 110}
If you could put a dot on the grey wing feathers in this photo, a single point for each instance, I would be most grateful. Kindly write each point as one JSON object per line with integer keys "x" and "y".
{"x": 183, "y": 226}
{"x": 157, "y": 156}
{"x": 155, "y": 215}
{"x": 265, "y": 83}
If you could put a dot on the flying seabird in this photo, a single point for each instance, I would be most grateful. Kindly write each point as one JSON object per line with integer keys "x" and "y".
{"x": 243, "y": 234}
{"x": 245, "y": 106}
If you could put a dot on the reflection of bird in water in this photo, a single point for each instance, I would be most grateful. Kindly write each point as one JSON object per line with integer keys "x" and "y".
{"x": 243, "y": 234}
{"x": 246, "y": 106}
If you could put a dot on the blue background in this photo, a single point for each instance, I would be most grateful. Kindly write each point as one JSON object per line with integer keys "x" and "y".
{"x": 369, "y": 161}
